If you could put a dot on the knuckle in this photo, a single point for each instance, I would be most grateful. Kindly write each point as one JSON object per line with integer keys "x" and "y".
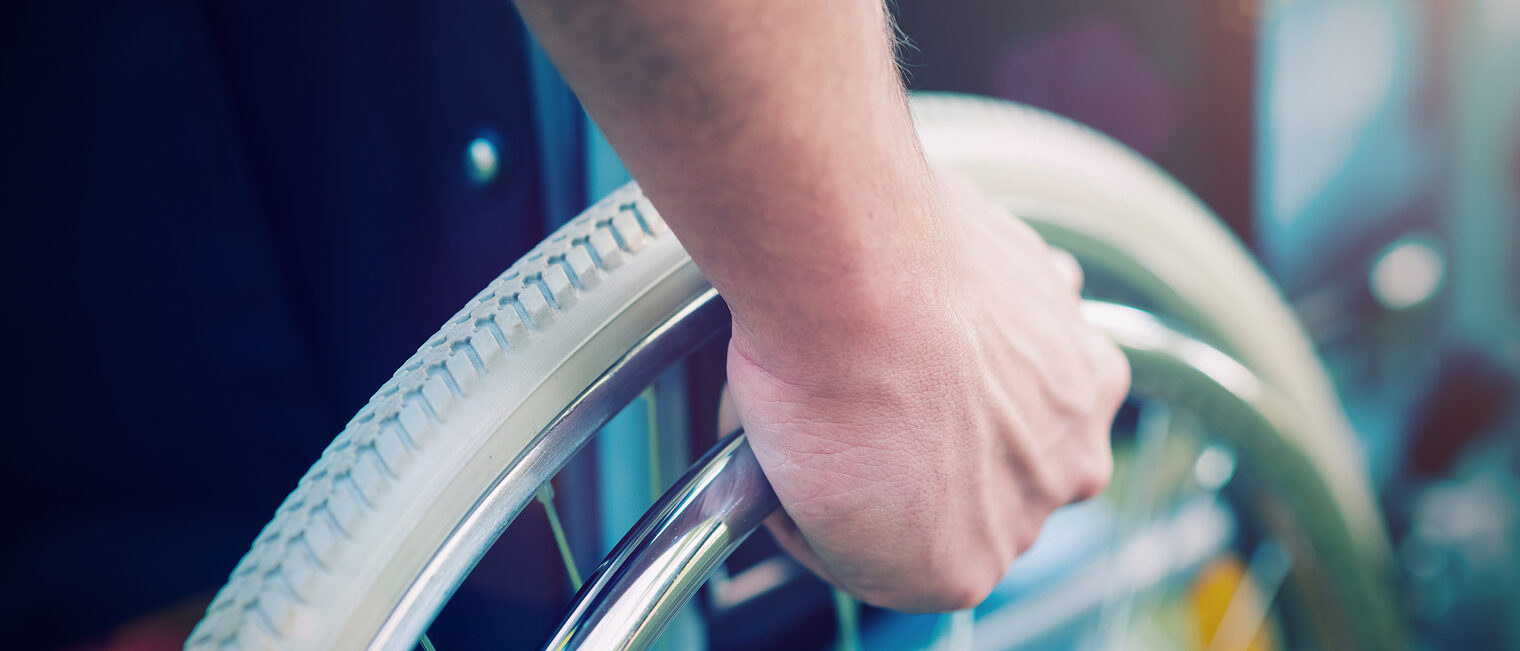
{"x": 1094, "y": 476}
{"x": 1108, "y": 366}
{"x": 929, "y": 596}
{"x": 964, "y": 593}
{"x": 1116, "y": 370}
{"x": 955, "y": 583}
{"x": 1027, "y": 537}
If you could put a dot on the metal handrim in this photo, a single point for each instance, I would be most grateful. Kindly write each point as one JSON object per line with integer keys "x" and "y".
{"x": 1162, "y": 359}
{"x": 687, "y": 535}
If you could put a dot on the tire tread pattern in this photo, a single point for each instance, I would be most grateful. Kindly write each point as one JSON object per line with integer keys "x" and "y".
{"x": 265, "y": 598}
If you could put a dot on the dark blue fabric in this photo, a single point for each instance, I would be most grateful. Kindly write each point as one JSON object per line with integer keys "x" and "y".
{"x": 226, "y": 224}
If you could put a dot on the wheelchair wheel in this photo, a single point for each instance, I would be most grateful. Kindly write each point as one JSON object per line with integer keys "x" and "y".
{"x": 407, "y": 499}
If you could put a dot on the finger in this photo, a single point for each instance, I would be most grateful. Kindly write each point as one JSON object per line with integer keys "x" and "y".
{"x": 786, "y": 533}
{"x": 958, "y": 182}
{"x": 728, "y": 415}
{"x": 1109, "y": 369}
{"x": 1067, "y": 265}
{"x": 780, "y": 524}
{"x": 1083, "y": 460}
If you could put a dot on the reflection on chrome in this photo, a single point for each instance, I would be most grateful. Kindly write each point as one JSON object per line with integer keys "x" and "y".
{"x": 662, "y": 562}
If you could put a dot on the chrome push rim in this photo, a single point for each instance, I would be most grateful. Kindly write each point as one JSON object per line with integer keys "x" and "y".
{"x": 677, "y": 336}
{"x": 690, "y": 532}
{"x": 1166, "y": 364}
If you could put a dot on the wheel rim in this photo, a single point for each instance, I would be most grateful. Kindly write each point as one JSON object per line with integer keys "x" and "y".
{"x": 704, "y": 316}
{"x": 687, "y": 297}
{"x": 618, "y": 608}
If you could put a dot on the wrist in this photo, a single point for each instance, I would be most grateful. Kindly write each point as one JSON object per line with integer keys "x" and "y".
{"x": 885, "y": 285}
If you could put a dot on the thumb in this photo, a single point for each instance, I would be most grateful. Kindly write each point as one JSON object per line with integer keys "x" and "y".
{"x": 781, "y": 526}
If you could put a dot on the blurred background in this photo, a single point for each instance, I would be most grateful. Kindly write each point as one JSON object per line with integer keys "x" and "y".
{"x": 1369, "y": 152}
{"x": 205, "y": 201}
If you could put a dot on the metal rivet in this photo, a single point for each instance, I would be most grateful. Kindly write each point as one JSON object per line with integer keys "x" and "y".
{"x": 482, "y": 162}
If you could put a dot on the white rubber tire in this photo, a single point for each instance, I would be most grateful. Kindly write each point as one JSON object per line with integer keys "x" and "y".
{"x": 347, "y": 547}
{"x": 1075, "y": 180}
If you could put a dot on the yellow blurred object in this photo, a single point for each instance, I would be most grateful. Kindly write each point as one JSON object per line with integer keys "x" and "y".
{"x": 1222, "y": 581}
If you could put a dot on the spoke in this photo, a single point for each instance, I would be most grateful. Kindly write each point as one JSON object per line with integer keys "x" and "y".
{"x": 1211, "y": 470}
{"x": 1139, "y": 504}
{"x": 958, "y": 632}
{"x": 1254, "y": 595}
{"x": 427, "y": 645}
{"x": 1170, "y": 547}
{"x": 847, "y": 613}
{"x": 546, "y": 497}
{"x": 656, "y": 485}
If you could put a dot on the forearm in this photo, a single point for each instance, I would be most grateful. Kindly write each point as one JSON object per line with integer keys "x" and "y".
{"x": 775, "y": 139}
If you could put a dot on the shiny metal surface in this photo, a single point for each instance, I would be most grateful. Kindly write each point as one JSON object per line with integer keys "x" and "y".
{"x": 662, "y": 562}
{"x": 698, "y": 523}
{"x": 700, "y": 319}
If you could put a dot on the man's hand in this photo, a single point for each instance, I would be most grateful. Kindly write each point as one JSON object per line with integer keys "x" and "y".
{"x": 908, "y": 360}
{"x": 916, "y": 465}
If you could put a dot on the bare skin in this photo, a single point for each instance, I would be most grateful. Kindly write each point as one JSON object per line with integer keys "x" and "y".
{"x": 909, "y": 360}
